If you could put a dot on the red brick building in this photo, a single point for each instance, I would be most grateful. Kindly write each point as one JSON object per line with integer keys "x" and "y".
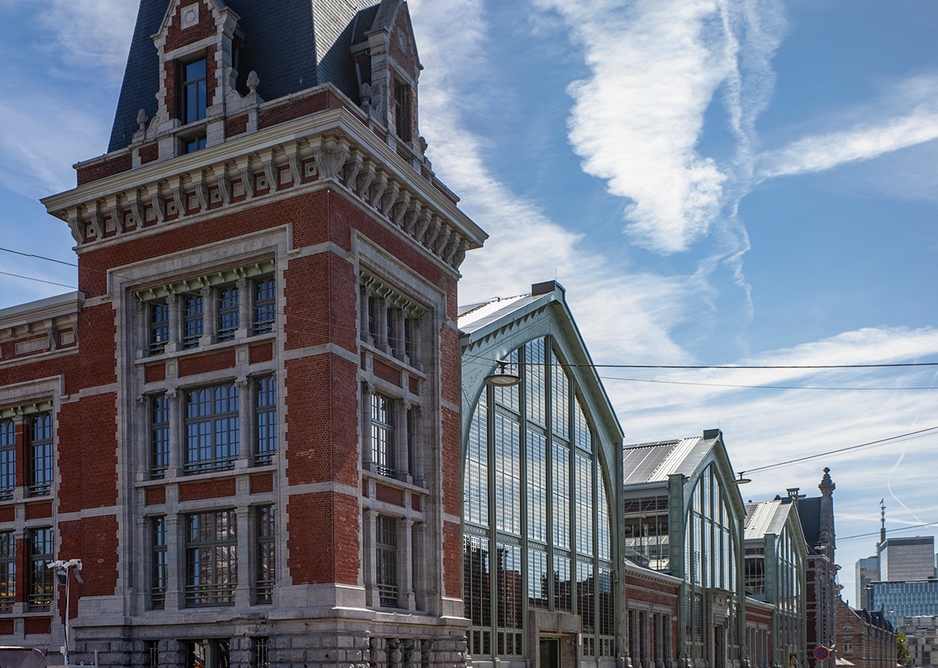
{"x": 246, "y": 422}
{"x": 866, "y": 639}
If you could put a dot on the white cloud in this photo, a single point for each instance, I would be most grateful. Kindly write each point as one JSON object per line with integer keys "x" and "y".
{"x": 821, "y": 152}
{"x": 904, "y": 115}
{"x": 89, "y": 33}
{"x": 655, "y": 67}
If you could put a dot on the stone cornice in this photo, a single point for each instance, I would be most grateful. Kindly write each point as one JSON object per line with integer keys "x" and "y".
{"x": 333, "y": 146}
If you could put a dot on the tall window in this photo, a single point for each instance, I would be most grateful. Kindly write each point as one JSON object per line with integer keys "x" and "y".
{"x": 212, "y": 428}
{"x": 382, "y": 434}
{"x": 40, "y": 448}
{"x": 7, "y": 571}
{"x": 265, "y": 305}
{"x": 194, "y": 92}
{"x": 402, "y": 103}
{"x": 265, "y": 419}
{"x": 556, "y": 500}
{"x": 386, "y": 555}
{"x": 192, "y": 324}
{"x": 207, "y": 654}
{"x": 158, "y": 562}
{"x": 266, "y": 561}
{"x": 158, "y": 316}
{"x": 7, "y": 459}
{"x": 211, "y": 558}
{"x": 228, "y": 309}
{"x": 159, "y": 436}
{"x": 40, "y": 576}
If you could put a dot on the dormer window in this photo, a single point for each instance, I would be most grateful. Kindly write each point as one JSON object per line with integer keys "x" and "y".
{"x": 402, "y": 106}
{"x": 194, "y": 93}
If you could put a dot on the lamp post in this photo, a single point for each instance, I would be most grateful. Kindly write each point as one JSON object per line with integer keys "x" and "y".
{"x": 62, "y": 570}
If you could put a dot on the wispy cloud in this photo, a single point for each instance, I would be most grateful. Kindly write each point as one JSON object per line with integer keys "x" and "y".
{"x": 904, "y": 115}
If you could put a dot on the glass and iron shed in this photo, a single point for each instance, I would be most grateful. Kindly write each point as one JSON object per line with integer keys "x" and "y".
{"x": 541, "y": 479}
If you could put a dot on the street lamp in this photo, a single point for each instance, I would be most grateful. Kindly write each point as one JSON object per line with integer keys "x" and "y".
{"x": 62, "y": 569}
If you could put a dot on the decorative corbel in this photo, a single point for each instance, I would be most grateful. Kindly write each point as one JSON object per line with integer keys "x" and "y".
{"x": 400, "y": 207}
{"x": 247, "y": 176}
{"x": 410, "y": 218}
{"x": 366, "y": 179}
{"x": 97, "y": 220}
{"x": 270, "y": 169}
{"x": 352, "y": 169}
{"x": 294, "y": 162}
{"x": 443, "y": 239}
{"x": 460, "y": 255}
{"x": 137, "y": 209}
{"x": 390, "y": 198}
{"x": 179, "y": 194}
{"x": 201, "y": 189}
{"x": 451, "y": 249}
{"x": 53, "y": 333}
{"x": 75, "y": 223}
{"x": 378, "y": 188}
{"x": 433, "y": 233}
{"x": 423, "y": 223}
{"x": 112, "y": 204}
{"x": 159, "y": 204}
{"x": 241, "y": 382}
{"x": 330, "y": 157}
{"x": 224, "y": 186}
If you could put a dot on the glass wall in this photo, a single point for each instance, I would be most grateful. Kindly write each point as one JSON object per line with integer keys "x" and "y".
{"x": 537, "y": 519}
{"x": 710, "y": 553}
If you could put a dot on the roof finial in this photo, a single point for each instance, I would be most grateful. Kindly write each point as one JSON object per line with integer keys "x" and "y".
{"x": 882, "y": 530}
{"x": 142, "y": 118}
{"x": 253, "y": 81}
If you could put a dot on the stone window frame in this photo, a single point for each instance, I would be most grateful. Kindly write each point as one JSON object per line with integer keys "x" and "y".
{"x": 7, "y": 458}
{"x": 264, "y": 559}
{"x": 41, "y": 578}
{"x": 387, "y": 556}
{"x": 159, "y": 561}
{"x": 215, "y": 592}
{"x": 224, "y": 421}
{"x": 217, "y": 322}
{"x": 7, "y": 570}
{"x": 41, "y": 458}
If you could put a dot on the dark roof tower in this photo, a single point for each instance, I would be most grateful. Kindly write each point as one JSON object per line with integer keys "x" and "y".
{"x": 293, "y": 45}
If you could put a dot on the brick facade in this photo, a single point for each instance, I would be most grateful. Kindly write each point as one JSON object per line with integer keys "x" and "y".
{"x": 864, "y": 638}
{"x": 210, "y": 390}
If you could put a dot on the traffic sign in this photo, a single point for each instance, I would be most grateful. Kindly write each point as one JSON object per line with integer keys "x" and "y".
{"x": 821, "y": 653}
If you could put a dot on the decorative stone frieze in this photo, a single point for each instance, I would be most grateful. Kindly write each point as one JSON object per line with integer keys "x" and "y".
{"x": 340, "y": 150}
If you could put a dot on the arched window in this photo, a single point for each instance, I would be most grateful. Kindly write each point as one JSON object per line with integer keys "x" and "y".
{"x": 710, "y": 549}
{"x": 536, "y": 512}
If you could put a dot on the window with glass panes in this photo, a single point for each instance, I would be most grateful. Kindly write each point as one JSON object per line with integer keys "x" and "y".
{"x": 194, "y": 92}
{"x": 386, "y": 566}
{"x": 159, "y": 435}
{"x": 710, "y": 553}
{"x": 537, "y": 522}
{"x": 212, "y": 428}
{"x": 158, "y": 323}
{"x": 7, "y": 459}
{"x": 41, "y": 577}
{"x": 228, "y": 310}
{"x": 265, "y": 554}
{"x": 192, "y": 323}
{"x": 265, "y": 305}
{"x": 211, "y": 558}
{"x": 382, "y": 434}
{"x": 265, "y": 420}
{"x": 158, "y": 562}
{"x": 40, "y": 454}
{"x": 7, "y": 570}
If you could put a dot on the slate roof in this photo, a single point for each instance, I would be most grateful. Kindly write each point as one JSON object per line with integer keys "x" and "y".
{"x": 809, "y": 510}
{"x": 293, "y": 45}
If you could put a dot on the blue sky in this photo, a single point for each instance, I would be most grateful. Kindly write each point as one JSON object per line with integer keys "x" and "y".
{"x": 735, "y": 182}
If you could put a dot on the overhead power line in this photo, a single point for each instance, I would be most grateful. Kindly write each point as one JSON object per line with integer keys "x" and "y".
{"x": 870, "y": 444}
{"x": 876, "y": 533}
{"x": 38, "y": 280}
{"x": 770, "y": 387}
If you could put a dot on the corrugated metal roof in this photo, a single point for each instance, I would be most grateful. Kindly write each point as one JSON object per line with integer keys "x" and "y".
{"x": 477, "y": 316}
{"x": 766, "y": 517}
{"x": 654, "y": 462}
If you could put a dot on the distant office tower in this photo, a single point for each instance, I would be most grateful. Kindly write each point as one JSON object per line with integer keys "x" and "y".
{"x": 867, "y": 572}
{"x": 907, "y": 558}
{"x": 904, "y": 599}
